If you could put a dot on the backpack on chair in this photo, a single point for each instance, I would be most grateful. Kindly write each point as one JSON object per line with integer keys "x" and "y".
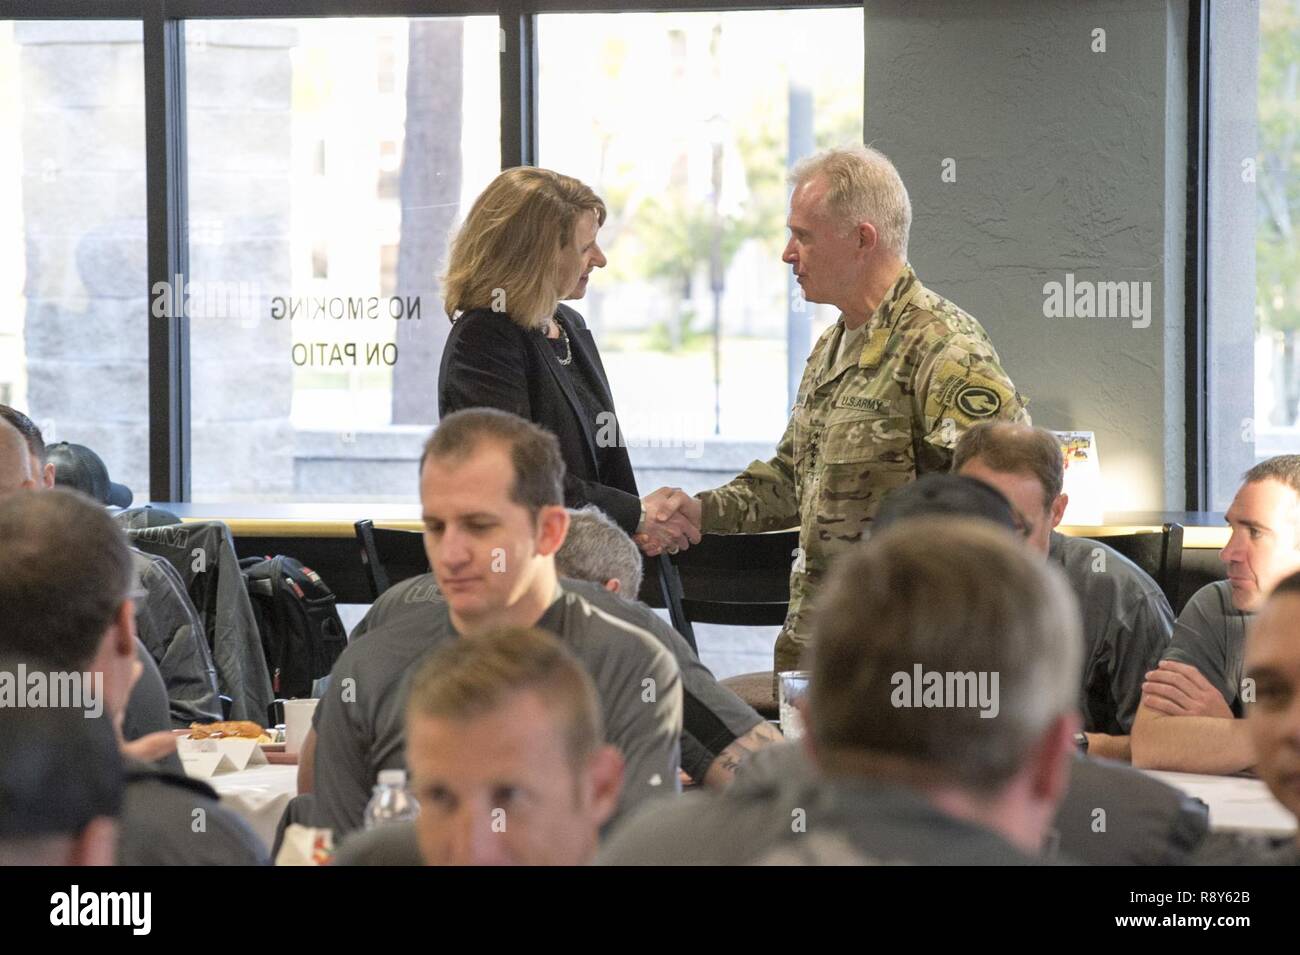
{"x": 297, "y": 617}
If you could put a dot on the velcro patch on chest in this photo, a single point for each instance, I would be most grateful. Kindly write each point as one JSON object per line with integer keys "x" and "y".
{"x": 874, "y": 350}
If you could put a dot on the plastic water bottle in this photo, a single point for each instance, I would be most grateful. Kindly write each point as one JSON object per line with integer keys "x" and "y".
{"x": 392, "y": 801}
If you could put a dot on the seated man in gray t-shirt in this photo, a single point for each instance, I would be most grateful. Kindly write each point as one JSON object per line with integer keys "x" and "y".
{"x": 1191, "y": 703}
{"x": 491, "y": 489}
{"x": 1126, "y": 617}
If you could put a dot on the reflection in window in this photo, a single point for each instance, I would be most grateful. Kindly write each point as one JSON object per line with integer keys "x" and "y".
{"x": 325, "y": 386}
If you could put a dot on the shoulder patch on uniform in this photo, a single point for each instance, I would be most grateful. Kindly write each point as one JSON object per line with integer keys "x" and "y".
{"x": 969, "y": 394}
{"x": 978, "y": 401}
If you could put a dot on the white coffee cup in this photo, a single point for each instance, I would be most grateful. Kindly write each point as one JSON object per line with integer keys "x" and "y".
{"x": 297, "y": 723}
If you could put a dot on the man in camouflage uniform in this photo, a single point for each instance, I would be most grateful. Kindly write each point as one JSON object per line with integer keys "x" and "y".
{"x": 886, "y": 393}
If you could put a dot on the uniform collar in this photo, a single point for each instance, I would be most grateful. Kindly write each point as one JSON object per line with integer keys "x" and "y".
{"x": 869, "y": 348}
{"x": 840, "y": 360}
{"x": 899, "y": 296}
{"x": 880, "y": 326}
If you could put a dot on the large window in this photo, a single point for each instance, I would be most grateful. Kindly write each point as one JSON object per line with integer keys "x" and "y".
{"x": 328, "y": 160}
{"x": 1277, "y": 242}
{"x": 685, "y": 123}
{"x": 73, "y": 272}
{"x": 1253, "y": 246}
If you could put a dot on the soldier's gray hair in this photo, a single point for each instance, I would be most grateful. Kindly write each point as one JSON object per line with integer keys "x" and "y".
{"x": 597, "y": 549}
{"x": 950, "y": 597}
{"x": 862, "y": 186}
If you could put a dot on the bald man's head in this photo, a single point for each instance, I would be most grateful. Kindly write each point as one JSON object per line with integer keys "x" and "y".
{"x": 15, "y": 461}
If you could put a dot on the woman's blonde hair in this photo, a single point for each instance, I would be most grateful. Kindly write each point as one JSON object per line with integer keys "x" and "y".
{"x": 505, "y": 256}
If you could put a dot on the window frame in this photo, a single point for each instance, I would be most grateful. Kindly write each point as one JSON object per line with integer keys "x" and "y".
{"x": 167, "y": 208}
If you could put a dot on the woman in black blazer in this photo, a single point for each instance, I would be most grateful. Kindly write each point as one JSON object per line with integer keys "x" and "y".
{"x": 530, "y": 240}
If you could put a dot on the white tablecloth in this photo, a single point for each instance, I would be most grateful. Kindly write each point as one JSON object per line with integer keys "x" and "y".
{"x": 1237, "y": 804}
{"x": 258, "y": 795}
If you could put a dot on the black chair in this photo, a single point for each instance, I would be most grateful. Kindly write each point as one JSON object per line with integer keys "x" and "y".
{"x": 1159, "y": 553}
{"x": 1201, "y": 566}
{"x": 738, "y": 580}
{"x": 389, "y": 556}
{"x": 661, "y": 588}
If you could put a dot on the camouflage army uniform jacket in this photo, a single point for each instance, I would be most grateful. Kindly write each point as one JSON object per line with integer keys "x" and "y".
{"x": 878, "y": 417}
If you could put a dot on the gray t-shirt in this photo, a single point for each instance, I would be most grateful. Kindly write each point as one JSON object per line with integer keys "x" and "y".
{"x": 1113, "y": 814}
{"x": 159, "y": 824}
{"x": 1211, "y": 635}
{"x": 780, "y": 812}
{"x": 393, "y": 844}
{"x": 1144, "y": 821}
{"x": 713, "y": 717}
{"x": 360, "y": 719}
{"x": 1127, "y": 622}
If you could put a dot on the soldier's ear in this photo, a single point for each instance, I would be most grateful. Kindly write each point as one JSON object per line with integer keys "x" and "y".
{"x": 868, "y": 238}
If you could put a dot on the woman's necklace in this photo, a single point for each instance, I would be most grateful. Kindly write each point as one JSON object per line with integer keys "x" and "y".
{"x": 568, "y": 349}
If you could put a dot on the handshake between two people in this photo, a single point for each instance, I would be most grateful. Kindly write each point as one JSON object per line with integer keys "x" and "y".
{"x": 672, "y": 522}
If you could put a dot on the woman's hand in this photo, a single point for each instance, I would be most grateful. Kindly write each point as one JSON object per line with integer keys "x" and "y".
{"x": 672, "y": 522}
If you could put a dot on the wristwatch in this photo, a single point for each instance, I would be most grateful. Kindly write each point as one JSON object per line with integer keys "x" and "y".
{"x": 1081, "y": 741}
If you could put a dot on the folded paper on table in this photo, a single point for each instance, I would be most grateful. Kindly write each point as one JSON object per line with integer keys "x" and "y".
{"x": 205, "y": 758}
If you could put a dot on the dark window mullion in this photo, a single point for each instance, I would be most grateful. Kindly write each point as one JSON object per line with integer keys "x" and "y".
{"x": 165, "y": 176}
{"x": 1195, "y": 315}
{"x": 518, "y": 85}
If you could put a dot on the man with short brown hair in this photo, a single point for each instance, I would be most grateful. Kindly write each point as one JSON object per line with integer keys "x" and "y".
{"x": 1127, "y": 619}
{"x": 491, "y": 488}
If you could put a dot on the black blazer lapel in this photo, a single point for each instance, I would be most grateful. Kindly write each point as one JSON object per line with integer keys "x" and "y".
{"x": 543, "y": 348}
{"x": 584, "y": 343}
